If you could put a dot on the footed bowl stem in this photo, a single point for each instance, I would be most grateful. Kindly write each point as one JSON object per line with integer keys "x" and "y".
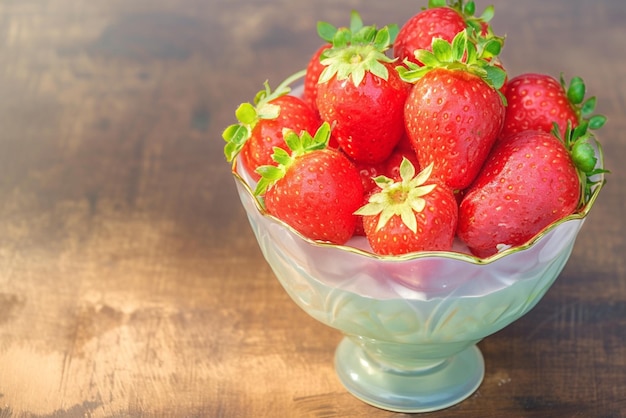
{"x": 409, "y": 378}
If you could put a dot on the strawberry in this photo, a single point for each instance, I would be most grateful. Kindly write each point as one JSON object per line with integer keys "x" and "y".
{"x": 530, "y": 180}
{"x": 392, "y": 164}
{"x": 442, "y": 20}
{"x": 313, "y": 70}
{"x": 361, "y": 94}
{"x": 415, "y": 213}
{"x": 404, "y": 143}
{"x": 536, "y": 101}
{"x": 368, "y": 173}
{"x": 261, "y": 125}
{"x": 315, "y": 190}
{"x": 454, "y": 112}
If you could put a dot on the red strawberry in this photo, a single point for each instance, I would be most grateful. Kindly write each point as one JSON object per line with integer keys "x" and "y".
{"x": 529, "y": 181}
{"x": 453, "y": 116}
{"x": 419, "y": 31}
{"x": 537, "y": 101}
{"x": 315, "y": 190}
{"x": 260, "y": 127}
{"x": 368, "y": 173}
{"x": 392, "y": 164}
{"x": 413, "y": 214}
{"x": 404, "y": 143}
{"x": 361, "y": 94}
{"x": 442, "y": 20}
{"x": 313, "y": 70}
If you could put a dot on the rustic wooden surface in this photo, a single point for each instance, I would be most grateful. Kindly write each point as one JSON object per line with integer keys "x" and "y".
{"x": 130, "y": 281}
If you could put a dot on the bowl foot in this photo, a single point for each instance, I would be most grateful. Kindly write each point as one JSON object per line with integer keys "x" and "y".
{"x": 446, "y": 384}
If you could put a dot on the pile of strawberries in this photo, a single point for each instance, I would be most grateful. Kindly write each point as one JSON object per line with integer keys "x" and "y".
{"x": 416, "y": 135}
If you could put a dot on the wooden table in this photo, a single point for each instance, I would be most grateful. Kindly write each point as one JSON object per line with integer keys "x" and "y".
{"x": 130, "y": 281}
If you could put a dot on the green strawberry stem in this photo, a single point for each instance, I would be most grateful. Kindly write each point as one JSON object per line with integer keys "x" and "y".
{"x": 467, "y": 52}
{"x": 356, "y": 50}
{"x": 299, "y": 145}
{"x": 403, "y": 198}
{"x": 582, "y": 146}
{"x": 249, "y": 114}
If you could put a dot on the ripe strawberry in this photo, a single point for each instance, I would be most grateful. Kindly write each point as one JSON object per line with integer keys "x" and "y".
{"x": 530, "y": 180}
{"x": 313, "y": 70}
{"x": 413, "y": 214}
{"x": 392, "y": 164}
{"x": 361, "y": 94}
{"x": 261, "y": 125}
{"x": 536, "y": 101}
{"x": 315, "y": 190}
{"x": 454, "y": 112}
{"x": 404, "y": 143}
{"x": 368, "y": 173}
{"x": 442, "y": 20}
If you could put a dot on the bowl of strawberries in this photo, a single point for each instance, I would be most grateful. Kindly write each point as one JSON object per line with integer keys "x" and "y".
{"x": 416, "y": 201}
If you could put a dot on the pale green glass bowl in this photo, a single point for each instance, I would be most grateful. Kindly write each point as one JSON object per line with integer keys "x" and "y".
{"x": 410, "y": 323}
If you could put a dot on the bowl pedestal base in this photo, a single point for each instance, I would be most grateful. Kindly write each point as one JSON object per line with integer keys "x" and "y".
{"x": 434, "y": 385}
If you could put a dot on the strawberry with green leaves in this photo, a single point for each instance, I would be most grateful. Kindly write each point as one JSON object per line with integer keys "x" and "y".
{"x": 530, "y": 180}
{"x": 441, "y": 19}
{"x": 536, "y": 101}
{"x": 313, "y": 188}
{"x": 360, "y": 92}
{"x": 260, "y": 125}
{"x": 313, "y": 70}
{"x": 454, "y": 111}
{"x": 415, "y": 213}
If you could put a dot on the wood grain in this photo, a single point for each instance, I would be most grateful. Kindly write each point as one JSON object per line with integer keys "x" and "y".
{"x": 130, "y": 281}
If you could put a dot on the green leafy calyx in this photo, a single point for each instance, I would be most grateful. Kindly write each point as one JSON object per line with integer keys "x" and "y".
{"x": 327, "y": 32}
{"x": 467, "y": 52}
{"x": 584, "y": 150}
{"x": 403, "y": 198}
{"x": 584, "y": 107}
{"x": 249, "y": 114}
{"x": 356, "y": 50}
{"x": 581, "y": 143}
{"x": 299, "y": 144}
